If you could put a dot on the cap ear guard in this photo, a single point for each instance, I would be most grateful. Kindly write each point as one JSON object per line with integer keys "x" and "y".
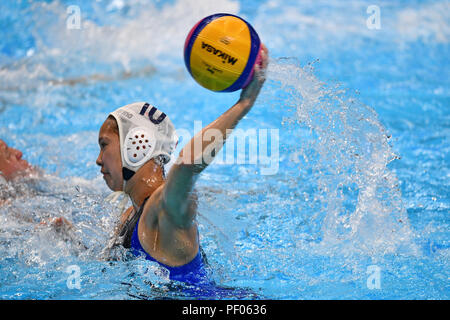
{"x": 139, "y": 145}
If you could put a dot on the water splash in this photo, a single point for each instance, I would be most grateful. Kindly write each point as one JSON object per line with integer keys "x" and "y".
{"x": 346, "y": 151}
{"x": 33, "y": 202}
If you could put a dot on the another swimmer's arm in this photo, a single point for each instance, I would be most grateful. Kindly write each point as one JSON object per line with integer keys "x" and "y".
{"x": 198, "y": 154}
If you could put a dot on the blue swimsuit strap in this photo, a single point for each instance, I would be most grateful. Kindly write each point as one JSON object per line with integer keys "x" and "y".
{"x": 192, "y": 272}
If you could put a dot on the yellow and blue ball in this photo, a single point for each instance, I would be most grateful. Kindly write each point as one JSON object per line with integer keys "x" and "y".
{"x": 220, "y": 52}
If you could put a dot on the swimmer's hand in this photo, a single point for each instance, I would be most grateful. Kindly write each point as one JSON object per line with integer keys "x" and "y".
{"x": 250, "y": 93}
{"x": 65, "y": 229}
{"x": 60, "y": 224}
{"x": 4, "y": 202}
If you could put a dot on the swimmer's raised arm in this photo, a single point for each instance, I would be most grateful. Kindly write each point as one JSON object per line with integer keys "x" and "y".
{"x": 198, "y": 153}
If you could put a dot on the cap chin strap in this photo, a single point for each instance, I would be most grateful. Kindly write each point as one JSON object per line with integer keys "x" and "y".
{"x": 127, "y": 174}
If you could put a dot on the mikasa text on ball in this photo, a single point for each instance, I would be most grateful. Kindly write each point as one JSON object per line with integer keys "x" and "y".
{"x": 220, "y": 52}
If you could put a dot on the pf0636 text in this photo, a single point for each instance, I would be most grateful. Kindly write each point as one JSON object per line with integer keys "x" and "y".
{"x": 241, "y": 309}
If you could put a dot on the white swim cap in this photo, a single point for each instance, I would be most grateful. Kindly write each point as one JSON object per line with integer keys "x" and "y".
{"x": 144, "y": 133}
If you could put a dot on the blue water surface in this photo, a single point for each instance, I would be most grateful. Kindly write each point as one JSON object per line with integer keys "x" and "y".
{"x": 362, "y": 116}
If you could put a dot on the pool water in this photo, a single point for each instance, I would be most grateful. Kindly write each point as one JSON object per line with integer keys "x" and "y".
{"x": 357, "y": 208}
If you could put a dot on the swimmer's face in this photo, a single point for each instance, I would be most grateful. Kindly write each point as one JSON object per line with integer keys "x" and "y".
{"x": 109, "y": 157}
{"x": 11, "y": 162}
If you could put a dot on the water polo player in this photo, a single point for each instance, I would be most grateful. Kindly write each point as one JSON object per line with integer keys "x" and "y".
{"x": 12, "y": 167}
{"x": 11, "y": 163}
{"x": 135, "y": 142}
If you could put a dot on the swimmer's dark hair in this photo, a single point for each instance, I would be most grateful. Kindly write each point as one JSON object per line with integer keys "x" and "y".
{"x": 112, "y": 123}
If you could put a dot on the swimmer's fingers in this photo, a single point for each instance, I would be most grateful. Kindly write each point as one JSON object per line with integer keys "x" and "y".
{"x": 59, "y": 224}
{"x": 261, "y": 66}
{"x": 250, "y": 93}
{"x": 264, "y": 56}
{"x": 5, "y": 202}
